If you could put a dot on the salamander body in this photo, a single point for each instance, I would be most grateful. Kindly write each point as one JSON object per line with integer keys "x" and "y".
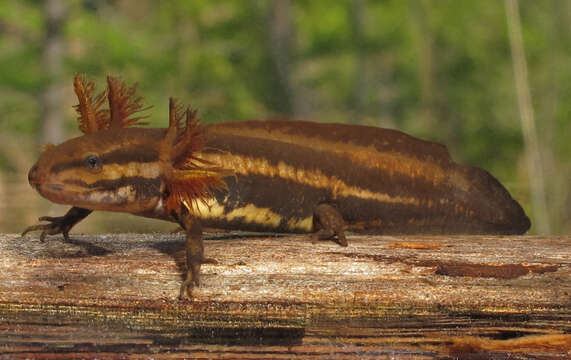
{"x": 271, "y": 176}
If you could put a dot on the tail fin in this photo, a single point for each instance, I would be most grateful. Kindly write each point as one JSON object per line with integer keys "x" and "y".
{"x": 493, "y": 203}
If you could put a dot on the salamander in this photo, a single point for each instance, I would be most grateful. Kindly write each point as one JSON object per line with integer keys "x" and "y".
{"x": 269, "y": 176}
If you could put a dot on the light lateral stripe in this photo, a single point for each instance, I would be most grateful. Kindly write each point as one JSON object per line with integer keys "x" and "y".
{"x": 251, "y": 214}
{"x": 124, "y": 194}
{"x": 138, "y": 183}
{"x": 113, "y": 172}
{"x": 366, "y": 155}
{"x": 209, "y": 210}
{"x": 246, "y": 165}
{"x": 305, "y": 224}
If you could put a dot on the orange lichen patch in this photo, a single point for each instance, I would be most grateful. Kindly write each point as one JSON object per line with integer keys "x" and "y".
{"x": 502, "y": 271}
{"x": 466, "y": 344}
{"x": 416, "y": 245}
{"x": 457, "y": 268}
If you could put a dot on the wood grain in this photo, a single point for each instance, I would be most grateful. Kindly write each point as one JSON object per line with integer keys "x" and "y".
{"x": 114, "y": 296}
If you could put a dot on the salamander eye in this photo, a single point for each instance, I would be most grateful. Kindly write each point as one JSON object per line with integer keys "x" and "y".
{"x": 93, "y": 162}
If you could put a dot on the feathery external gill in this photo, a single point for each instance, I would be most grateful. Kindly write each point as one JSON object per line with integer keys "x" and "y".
{"x": 191, "y": 179}
{"x": 91, "y": 117}
{"x": 123, "y": 103}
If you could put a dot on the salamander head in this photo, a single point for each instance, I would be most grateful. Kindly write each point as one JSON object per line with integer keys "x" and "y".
{"x": 117, "y": 170}
{"x": 118, "y": 166}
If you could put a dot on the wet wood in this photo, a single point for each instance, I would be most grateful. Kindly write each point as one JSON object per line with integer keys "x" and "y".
{"x": 108, "y": 296}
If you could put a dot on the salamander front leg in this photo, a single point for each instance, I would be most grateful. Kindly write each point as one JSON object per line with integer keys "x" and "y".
{"x": 59, "y": 224}
{"x": 328, "y": 223}
{"x": 194, "y": 254}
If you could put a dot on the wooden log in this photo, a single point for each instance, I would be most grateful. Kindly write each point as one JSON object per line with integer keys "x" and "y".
{"x": 283, "y": 296}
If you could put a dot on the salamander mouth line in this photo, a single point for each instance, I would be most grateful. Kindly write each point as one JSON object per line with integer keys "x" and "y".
{"x": 57, "y": 188}
{"x": 53, "y": 187}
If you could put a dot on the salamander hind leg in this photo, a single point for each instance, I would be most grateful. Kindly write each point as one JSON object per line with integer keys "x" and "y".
{"x": 328, "y": 224}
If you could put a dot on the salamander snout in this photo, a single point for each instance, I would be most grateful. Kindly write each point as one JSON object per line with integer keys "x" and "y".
{"x": 33, "y": 177}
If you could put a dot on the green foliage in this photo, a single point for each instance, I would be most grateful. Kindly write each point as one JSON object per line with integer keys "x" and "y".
{"x": 440, "y": 70}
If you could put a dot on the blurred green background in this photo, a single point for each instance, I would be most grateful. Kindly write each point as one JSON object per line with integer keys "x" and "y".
{"x": 437, "y": 69}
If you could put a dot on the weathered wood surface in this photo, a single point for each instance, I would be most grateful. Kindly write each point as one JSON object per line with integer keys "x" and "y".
{"x": 114, "y": 296}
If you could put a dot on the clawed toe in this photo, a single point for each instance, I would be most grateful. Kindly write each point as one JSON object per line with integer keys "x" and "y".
{"x": 59, "y": 224}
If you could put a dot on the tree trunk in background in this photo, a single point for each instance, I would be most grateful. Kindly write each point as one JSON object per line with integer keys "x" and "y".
{"x": 534, "y": 166}
{"x": 564, "y": 204}
{"x": 550, "y": 93}
{"x": 427, "y": 88}
{"x": 281, "y": 35}
{"x": 52, "y": 65}
{"x": 358, "y": 28}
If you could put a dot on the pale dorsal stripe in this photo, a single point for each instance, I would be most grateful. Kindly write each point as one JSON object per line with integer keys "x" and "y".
{"x": 245, "y": 165}
{"x": 392, "y": 162}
